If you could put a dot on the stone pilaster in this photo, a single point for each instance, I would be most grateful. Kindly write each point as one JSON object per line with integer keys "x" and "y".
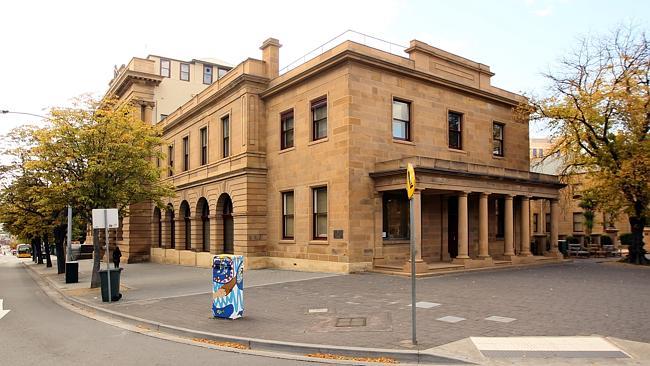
{"x": 525, "y": 227}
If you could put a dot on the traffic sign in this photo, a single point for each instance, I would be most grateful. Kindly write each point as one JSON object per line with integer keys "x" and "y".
{"x": 410, "y": 180}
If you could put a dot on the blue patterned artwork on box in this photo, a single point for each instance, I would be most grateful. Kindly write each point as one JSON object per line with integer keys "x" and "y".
{"x": 228, "y": 286}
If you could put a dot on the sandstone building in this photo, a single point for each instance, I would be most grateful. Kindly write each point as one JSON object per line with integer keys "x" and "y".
{"x": 306, "y": 169}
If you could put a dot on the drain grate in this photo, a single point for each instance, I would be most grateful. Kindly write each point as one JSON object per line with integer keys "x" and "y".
{"x": 350, "y": 322}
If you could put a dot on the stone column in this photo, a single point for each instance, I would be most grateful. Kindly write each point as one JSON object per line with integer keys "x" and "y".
{"x": 215, "y": 248}
{"x": 509, "y": 230}
{"x": 555, "y": 224}
{"x": 525, "y": 227}
{"x": 179, "y": 229}
{"x": 165, "y": 240}
{"x": 483, "y": 226}
{"x": 148, "y": 113}
{"x": 196, "y": 222}
{"x": 463, "y": 235}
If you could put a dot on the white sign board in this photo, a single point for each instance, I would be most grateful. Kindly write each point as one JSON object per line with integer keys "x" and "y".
{"x": 101, "y": 219}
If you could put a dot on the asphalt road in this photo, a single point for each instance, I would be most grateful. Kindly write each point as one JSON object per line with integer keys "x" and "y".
{"x": 37, "y": 331}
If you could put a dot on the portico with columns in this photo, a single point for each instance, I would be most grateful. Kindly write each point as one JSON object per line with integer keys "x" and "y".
{"x": 472, "y": 216}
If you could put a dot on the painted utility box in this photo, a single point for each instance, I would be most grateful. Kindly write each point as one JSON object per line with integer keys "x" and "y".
{"x": 228, "y": 286}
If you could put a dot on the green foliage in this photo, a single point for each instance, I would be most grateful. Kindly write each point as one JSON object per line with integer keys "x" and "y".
{"x": 626, "y": 238}
{"x": 572, "y": 240}
{"x": 599, "y": 112}
{"x": 606, "y": 240}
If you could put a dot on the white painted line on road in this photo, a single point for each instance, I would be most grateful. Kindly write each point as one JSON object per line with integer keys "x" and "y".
{"x": 352, "y": 303}
{"x": 322, "y": 310}
{"x": 425, "y": 304}
{"x": 3, "y": 312}
{"x": 545, "y": 347}
{"x": 451, "y": 319}
{"x": 500, "y": 319}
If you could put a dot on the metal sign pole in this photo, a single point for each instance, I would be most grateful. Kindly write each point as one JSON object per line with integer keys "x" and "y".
{"x": 413, "y": 307}
{"x": 69, "y": 251}
{"x": 108, "y": 267}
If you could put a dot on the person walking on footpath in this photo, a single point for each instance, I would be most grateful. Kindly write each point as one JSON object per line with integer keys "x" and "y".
{"x": 117, "y": 254}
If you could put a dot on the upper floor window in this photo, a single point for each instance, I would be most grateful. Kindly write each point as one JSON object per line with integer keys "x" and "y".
{"x": 286, "y": 127}
{"x": 320, "y": 212}
{"x": 204, "y": 145}
{"x": 497, "y": 138}
{"x": 186, "y": 153}
{"x": 455, "y": 132}
{"x": 185, "y": 72}
{"x": 287, "y": 215}
{"x": 540, "y": 152}
{"x": 534, "y": 153}
{"x": 165, "y": 68}
{"x": 577, "y": 222}
{"x": 170, "y": 160}
{"x": 163, "y": 116}
{"x": 207, "y": 75}
{"x": 319, "y": 119}
{"x": 222, "y": 72}
{"x": 225, "y": 129}
{"x": 401, "y": 120}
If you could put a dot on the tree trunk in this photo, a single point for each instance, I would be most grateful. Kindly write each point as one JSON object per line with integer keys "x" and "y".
{"x": 95, "y": 281}
{"x": 59, "y": 237}
{"x": 48, "y": 257}
{"x": 36, "y": 246}
{"x": 637, "y": 252}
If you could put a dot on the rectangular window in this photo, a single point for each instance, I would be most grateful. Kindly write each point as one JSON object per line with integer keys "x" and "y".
{"x": 535, "y": 222}
{"x": 547, "y": 222}
{"x": 319, "y": 119}
{"x": 207, "y": 75}
{"x": 222, "y": 72}
{"x": 320, "y": 212}
{"x": 497, "y": 138}
{"x": 204, "y": 145}
{"x": 170, "y": 159}
{"x": 162, "y": 117}
{"x": 225, "y": 130}
{"x": 577, "y": 222}
{"x": 395, "y": 212}
{"x": 401, "y": 120}
{"x": 287, "y": 215}
{"x": 185, "y": 72}
{"x": 186, "y": 153}
{"x": 286, "y": 126}
{"x": 455, "y": 136}
{"x": 165, "y": 68}
{"x": 501, "y": 215}
{"x": 540, "y": 152}
{"x": 534, "y": 153}
{"x": 158, "y": 159}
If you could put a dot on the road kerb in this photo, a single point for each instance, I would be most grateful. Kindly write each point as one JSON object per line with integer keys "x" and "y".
{"x": 255, "y": 345}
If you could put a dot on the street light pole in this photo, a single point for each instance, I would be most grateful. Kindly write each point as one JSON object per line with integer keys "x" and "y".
{"x": 4, "y": 111}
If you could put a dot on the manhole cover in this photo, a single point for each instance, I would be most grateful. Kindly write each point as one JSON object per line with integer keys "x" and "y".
{"x": 350, "y": 322}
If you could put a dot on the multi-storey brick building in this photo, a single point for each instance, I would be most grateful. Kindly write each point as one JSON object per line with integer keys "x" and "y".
{"x": 306, "y": 169}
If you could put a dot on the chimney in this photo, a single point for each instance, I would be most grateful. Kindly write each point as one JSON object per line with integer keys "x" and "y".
{"x": 271, "y": 56}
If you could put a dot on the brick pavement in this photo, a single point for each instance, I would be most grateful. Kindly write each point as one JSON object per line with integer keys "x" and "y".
{"x": 580, "y": 298}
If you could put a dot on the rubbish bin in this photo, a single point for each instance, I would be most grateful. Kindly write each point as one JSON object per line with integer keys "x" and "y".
{"x": 115, "y": 284}
{"x": 228, "y": 286}
{"x": 71, "y": 272}
{"x": 563, "y": 246}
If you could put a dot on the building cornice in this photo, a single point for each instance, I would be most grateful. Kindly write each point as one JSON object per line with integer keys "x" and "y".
{"x": 354, "y": 56}
{"x": 130, "y": 77}
{"x": 223, "y": 176}
{"x": 464, "y": 174}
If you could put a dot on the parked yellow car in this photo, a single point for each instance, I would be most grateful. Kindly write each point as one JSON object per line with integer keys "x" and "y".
{"x": 24, "y": 251}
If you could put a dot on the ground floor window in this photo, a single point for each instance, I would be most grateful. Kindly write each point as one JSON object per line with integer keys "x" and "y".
{"x": 319, "y": 204}
{"x": 395, "y": 215}
{"x": 577, "y": 222}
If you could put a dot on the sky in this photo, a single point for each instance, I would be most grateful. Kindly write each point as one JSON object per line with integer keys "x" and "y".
{"x": 53, "y": 51}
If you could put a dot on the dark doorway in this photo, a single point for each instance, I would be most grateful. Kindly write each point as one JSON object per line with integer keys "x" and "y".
{"x": 228, "y": 227}
{"x": 452, "y": 226}
{"x": 172, "y": 226}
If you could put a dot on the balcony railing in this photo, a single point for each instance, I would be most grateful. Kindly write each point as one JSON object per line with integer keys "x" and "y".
{"x": 348, "y": 35}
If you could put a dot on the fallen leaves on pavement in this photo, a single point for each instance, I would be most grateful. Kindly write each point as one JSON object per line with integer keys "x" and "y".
{"x": 221, "y": 344}
{"x": 330, "y": 356}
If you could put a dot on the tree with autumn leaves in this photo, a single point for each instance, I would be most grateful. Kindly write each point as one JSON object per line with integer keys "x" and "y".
{"x": 599, "y": 113}
{"x": 95, "y": 154}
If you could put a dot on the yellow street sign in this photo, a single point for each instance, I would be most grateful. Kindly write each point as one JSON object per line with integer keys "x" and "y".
{"x": 410, "y": 180}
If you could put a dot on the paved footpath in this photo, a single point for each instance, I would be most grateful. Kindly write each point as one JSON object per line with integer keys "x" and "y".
{"x": 586, "y": 297}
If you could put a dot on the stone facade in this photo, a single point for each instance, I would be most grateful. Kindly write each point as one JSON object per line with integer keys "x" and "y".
{"x": 355, "y": 157}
